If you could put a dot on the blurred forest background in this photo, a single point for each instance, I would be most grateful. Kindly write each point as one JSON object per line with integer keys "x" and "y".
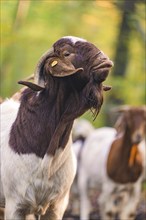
{"x": 30, "y": 27}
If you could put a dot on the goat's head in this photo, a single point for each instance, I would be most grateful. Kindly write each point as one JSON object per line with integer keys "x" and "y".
{"x": 78, "y": 63}
{"x": 133, "y": 120}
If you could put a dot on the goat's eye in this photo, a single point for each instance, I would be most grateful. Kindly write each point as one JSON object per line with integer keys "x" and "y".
{"x": 66, "y": 53}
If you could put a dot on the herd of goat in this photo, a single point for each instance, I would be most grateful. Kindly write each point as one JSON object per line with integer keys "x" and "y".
{"x": 39, "y": 162}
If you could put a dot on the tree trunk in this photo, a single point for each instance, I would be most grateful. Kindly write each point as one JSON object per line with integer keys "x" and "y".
{"x": 122, "y": 49}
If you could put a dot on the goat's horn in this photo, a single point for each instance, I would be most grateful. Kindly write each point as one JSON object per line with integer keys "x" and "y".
{"x": 31, "y": 85}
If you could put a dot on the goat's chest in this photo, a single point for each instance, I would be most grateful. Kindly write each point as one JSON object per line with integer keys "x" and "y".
{"x": 30, "y": 178}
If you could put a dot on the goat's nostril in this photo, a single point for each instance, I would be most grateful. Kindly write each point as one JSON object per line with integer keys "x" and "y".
{"x": 137, "y": 138}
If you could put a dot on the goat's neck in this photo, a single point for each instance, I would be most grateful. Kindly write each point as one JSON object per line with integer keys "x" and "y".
{"x": 45, "y": 119}
{"x": 43, "y": 123}
{"x": 124, "y": 165}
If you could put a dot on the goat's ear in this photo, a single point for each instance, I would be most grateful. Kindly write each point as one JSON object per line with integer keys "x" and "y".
{"x": 121, "y": 109}
{"x": 120, "y": 124}
{"x": 52, "y": 65}
{"x": 60, "y": 67}
{"x": 31, "y": 85}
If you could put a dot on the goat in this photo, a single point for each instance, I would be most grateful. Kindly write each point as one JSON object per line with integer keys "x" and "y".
{"x": 112, "y": 160}
{"x": 37, "y": 162}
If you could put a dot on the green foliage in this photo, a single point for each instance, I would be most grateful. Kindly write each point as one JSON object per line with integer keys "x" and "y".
{"x": 144, "y": 185}
{"x": 29, "y": 28}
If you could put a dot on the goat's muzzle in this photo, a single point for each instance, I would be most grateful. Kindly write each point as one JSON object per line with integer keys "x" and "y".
{"x": 137, "y": 138}
{"x": 101, "y": 71}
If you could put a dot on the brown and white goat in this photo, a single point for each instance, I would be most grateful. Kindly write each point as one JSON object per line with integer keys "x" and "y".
{"x": 114, "y": 161}
{"x": 37, "y": 162}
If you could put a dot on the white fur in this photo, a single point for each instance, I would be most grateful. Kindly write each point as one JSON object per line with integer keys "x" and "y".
{"x": 77, "y": 147}
{"x": 25, "y": 175}
{"x": 92, "y": 170}
{"x": 75, "y": 39}
{"x": 81, "y": 128}
{"x": 9, "y": 110}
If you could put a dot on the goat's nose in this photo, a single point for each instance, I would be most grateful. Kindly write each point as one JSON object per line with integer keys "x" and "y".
{"x": 137, "y": 138}
{"x": 104, "y": 58}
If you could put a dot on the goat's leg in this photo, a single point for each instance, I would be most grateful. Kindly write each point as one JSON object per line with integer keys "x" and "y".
{"x": 84, "y": 200}
{"x": 128, "y": 216}
{"x": 106, "y": 205}
{"x": 108, "y": 215}
{"x": 129, "y": 210}
{"x": 130, "y": 206}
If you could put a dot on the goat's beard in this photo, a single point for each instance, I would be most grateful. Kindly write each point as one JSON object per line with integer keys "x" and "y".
{"x": 94, "y": 98}
{"x": 90, "y": 97}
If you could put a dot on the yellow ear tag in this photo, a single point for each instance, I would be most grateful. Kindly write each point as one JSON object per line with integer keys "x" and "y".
{"x": 54, "y": 63}
{"x": 132, "y": 155}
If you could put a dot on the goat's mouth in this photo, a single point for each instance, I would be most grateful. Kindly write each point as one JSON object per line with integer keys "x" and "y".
{"x": 105, "y": 65}
{"x": 101, "y": 71}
